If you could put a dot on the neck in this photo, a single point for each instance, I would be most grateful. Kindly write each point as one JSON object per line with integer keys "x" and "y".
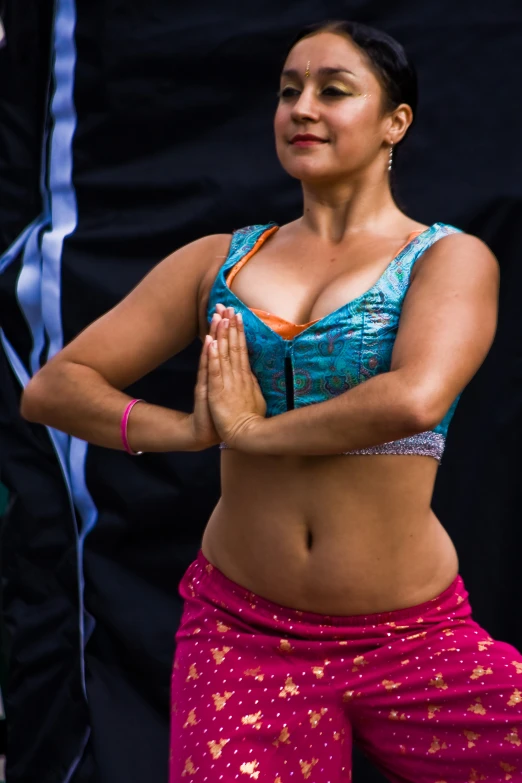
{"x": 332, "y": 211}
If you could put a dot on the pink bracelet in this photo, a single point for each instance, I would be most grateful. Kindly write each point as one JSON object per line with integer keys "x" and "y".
{"x": 124, "y": 420}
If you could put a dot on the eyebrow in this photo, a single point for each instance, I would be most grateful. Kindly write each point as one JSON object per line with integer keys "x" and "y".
{"x": 321, "y": 71}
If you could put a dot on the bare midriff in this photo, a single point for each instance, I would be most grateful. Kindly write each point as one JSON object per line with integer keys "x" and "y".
{"x": 335, "y": 535}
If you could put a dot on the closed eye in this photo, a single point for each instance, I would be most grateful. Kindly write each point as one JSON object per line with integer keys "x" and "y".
{"x": 329, "y": 92}
{"x": 335, "y": 92}
{"x": 287, "y": 92}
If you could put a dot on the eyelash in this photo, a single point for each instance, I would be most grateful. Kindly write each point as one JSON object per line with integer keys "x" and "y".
{"x": 290, "y": 92}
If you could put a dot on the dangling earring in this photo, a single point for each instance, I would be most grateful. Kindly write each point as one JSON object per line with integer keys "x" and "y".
{"x": 390, "y": 159}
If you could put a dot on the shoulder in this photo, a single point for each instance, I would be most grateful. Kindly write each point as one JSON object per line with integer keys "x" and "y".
{"x": 205, "y": 252}
{"x": 455, "y": 253}
{"x": 213, "y": 250}
{"x": 199, "y": 254}
{"x": 198, "y": 259}
{"x": 247, "y": 231}
{"x": 216, "y": 248}
{"x": 449, "y": 239}
{"x": 212, "y": 244}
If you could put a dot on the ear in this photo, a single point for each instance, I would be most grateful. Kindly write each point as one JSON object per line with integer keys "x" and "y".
{"x": 399, "y": 121}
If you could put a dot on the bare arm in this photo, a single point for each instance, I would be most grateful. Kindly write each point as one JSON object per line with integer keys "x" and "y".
{"x": 447, "y": 326}
{"x": 79, "y": 390}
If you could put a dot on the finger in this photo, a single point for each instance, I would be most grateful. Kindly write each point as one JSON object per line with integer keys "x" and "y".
{"x": 224, "y": 312}
{"x": 233, "y": 347}
{"x": 201, "y": 384}
{"x": 214, "y": 377}
{"x": 222, "y": 342}
{"x": 242, "y": 343}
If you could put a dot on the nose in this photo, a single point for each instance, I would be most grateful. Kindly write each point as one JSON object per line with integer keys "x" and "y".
{"x": 305, "y": 107}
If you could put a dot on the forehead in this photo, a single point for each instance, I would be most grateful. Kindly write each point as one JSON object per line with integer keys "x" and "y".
{"x": 328, "y": 49}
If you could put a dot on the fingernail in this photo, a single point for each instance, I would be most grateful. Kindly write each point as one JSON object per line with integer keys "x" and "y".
{"x": 239, "y": 318}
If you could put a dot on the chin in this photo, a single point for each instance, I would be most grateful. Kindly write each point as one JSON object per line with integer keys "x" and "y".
{"x": 308, "y": 167}
{"x": 311, "y": 172}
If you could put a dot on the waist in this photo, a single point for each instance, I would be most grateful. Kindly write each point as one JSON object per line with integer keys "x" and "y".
{"x": 342, "y": 576}
{"x": 204, "y": 579}
{"x": 329, "y": 534}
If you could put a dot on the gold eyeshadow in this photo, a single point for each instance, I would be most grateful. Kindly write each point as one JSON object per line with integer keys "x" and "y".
{"x": 339, "y": 86}
{"x": 343, "y": 88}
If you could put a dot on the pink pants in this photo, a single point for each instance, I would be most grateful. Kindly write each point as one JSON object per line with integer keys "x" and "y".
{"x": 261, "y": 692}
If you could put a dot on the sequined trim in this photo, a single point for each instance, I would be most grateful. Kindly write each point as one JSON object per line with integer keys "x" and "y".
{"x": 425, "y": 444}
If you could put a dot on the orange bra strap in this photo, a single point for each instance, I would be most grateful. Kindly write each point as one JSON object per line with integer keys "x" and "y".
{"x": 241, "y": 263}
{"x": 411, "y": 236}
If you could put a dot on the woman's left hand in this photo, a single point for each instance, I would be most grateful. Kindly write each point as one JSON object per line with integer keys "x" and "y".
{"x": 234, "y": 396}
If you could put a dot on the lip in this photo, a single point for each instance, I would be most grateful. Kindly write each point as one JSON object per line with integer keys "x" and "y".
{"x": 306, "y": 139}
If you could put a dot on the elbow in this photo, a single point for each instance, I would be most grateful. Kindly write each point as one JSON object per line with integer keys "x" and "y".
{"x": 423, "y": 412}
{"x": 31, "y": 400}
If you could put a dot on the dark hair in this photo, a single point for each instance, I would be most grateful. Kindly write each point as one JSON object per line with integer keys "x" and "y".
{"x": 385, "y": 55}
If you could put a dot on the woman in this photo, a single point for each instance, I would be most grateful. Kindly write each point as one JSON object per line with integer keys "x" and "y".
{"x": 325, "y": 605}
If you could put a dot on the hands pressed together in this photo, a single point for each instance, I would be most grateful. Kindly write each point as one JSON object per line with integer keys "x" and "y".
{"x": 228, "y": 403}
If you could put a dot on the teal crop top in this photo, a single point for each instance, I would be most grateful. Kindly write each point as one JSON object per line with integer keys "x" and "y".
{"x": 337, "y": 352}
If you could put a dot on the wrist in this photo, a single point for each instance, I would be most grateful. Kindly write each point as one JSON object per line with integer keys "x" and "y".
{"x": 247, "y": 436}
{"x": 124, "y": 427}
{"x": 196, "y": 441}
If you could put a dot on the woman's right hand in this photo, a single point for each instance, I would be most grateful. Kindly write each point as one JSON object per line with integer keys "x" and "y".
{"x": 204, "y": 433}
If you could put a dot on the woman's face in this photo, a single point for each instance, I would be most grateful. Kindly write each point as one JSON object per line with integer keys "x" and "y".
{"x": 340, "y": 102}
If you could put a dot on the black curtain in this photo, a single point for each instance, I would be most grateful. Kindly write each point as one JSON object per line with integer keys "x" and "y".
{"x": 127, "y": 130}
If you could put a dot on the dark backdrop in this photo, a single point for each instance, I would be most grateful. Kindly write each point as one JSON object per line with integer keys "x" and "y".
{"x": 126, "y": 130}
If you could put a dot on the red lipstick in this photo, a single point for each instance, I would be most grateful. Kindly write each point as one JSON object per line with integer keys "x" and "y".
{"x": 306, "y": 140}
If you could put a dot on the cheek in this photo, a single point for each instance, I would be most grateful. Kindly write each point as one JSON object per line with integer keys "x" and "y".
{"x": 280, "y": 120}
{"x": 353, "y": 125}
